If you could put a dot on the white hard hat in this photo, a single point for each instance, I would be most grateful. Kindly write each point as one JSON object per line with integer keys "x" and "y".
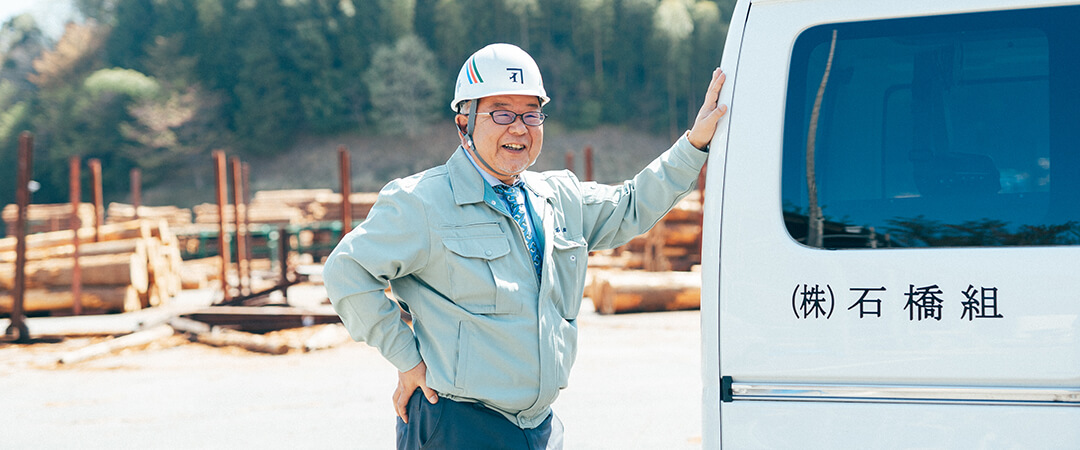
{"x": 498, "y": 69}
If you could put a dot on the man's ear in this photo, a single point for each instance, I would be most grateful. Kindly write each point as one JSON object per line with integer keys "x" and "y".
{"x": 462, "y": 122}
{"x": 462, "y": 125}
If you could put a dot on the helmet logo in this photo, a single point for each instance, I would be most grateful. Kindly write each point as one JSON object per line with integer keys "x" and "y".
{"x": 516, "y": 75}
{"x": 474, "y": 73}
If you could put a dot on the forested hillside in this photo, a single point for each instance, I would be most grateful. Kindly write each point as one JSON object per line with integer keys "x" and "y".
{"x": 158, "y": 84}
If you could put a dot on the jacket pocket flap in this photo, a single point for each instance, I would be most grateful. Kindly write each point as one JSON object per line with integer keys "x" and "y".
{"x": 488, "y": 247}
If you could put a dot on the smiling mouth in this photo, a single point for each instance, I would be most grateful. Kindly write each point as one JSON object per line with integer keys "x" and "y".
{"x": 514, "y": 147}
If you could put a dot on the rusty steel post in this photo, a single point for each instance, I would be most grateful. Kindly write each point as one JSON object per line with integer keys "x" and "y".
{"x": 136, "y": 189}
{"x": 74, "y": 174}
{"x": 99, "y": 210}
{"x": 22, "y": 199}
{"x": 588, "y": 163}
{"x": 283, "y": 265}
{"x": 346, "y": 191}
{"x": 238, "y": 201}
{"x": 246, "y": 170}
{"x": 223, "y": 235}
{"x": 570, "y": 161}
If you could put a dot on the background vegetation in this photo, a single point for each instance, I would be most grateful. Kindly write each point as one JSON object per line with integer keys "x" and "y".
{"x": 159, "y": 84}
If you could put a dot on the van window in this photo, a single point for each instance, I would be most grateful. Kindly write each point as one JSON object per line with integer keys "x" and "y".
{"x": 944, "y": 131}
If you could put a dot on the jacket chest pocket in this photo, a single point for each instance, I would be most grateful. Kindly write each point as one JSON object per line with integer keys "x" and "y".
{"x": 570, "y": 257}
{"x": 473, "y": 262}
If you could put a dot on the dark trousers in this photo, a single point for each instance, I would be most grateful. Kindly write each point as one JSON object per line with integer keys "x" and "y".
{"x": 454, "y": 425}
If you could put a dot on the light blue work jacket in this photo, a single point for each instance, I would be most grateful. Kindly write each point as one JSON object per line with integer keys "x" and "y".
{"x": 487, "y": 329}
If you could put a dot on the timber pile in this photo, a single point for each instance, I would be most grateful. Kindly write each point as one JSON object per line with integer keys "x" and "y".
{"x": 259, "y": 213}
{"x": 327, "y": 206}
{"x": 652, "y": 272}
{"x": 293, "y": 207}
{"x": 174, "y": 216}
{"x": 674, "y": 244}
{"x": 42, "y": 218}
{"x": 274, "y": 207}
{"x": 134, "y": 264}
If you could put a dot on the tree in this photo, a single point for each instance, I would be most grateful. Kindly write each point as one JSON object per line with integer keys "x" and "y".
{"x": 673, "y": 25}
{"x": 449, "y": 33}
{"x": 707, "y": 47}
{"x": 524, "y": 10}
{"x": 404, "y": 84}
{"x": 75, "y": 54}
{"x": 265, "y": 114}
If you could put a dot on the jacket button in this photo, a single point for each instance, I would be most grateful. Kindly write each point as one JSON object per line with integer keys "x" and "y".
{"x": 488, "y": 252}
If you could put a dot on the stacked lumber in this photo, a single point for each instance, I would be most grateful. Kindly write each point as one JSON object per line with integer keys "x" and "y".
{"x": 652, "y": 272}
{"x": 134, "y": 264}
{"x": 299, "y": 198}
{"x": 42, "y": 218}
{"x": 327, "y": 206}
{"x": 257, "y": 213}
{"x": 292, "y": 207}
{"x": 174, "y": 216}
{"x": 673, "y": 244}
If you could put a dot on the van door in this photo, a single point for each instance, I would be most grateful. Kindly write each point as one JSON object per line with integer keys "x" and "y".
{"x": 892, "y": 250}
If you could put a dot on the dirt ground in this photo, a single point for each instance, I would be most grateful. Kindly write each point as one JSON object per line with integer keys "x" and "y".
{"x": 636, "y": 385}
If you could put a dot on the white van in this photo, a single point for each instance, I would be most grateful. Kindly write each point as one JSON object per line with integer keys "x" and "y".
{"x": 891, "y": 252}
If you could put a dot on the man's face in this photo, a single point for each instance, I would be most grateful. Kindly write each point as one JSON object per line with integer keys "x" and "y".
{"x": 509, "y": 149}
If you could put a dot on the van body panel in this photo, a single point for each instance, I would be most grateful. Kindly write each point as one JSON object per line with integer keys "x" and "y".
{"x": 775, "y": 310}
{"x": 772, "y": 425}
{"x": 711, "y": 220}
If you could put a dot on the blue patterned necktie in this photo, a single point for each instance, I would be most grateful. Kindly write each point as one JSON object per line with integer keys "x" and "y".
{"x": 515, "y": 197}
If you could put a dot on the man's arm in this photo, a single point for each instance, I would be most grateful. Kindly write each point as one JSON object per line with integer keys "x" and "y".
{"x": 391, "y": 243}
{"x": 612, "y": 215}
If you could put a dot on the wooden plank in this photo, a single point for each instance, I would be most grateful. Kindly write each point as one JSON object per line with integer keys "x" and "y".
{"x": 224, "y": 337}
{"x": 103, "y": 348}
{"x": 261, "y": 319}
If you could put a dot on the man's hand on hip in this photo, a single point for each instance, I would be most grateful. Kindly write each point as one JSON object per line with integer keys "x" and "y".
{"x": 407, "y": 383}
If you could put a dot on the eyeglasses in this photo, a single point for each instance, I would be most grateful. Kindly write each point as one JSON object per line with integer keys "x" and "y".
{"x": 503, "y": 117}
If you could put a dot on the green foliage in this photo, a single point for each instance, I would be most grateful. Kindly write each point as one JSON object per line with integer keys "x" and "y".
{"x": 121, "y": 82}
{"x": 404, "y": 85}
{"x": 152, "y": 83}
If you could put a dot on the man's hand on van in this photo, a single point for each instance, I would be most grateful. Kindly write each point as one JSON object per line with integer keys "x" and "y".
{"x": 408, "y": 381}
{"x": 711, "y": 112}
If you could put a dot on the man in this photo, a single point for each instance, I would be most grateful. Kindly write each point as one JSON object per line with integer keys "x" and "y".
{"x": 490, "y": 260}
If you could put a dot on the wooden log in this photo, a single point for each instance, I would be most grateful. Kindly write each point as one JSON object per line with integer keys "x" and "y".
{"x": 291, "y": 197}
{"x": 123, "y": 230}
{"x": 107, "y": 298}
{"x": 127, "y": 341}
{"x": 87, "y": 249}
{"x": 327, "y": 206}
{"x": 175, "y": 262}
{"x": 258, "y": 213}
{"x": 48, "y": 217}
{"x": 120, "y": 212}
{"x": 633, "y": 291}
{"x": 186, "y": 325}
{"x": 125, "y": 269}
{"x": 224, "y": 337}
{"x": 682, "y": 234}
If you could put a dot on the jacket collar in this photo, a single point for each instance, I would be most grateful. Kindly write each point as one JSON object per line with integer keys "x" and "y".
{"x": 468, "y": 185}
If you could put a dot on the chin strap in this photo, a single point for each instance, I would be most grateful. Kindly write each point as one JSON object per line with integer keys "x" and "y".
{"x": 471, "y": 147}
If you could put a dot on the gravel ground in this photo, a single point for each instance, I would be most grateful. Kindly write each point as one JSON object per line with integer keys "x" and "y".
{"x": 636, "y": 385}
